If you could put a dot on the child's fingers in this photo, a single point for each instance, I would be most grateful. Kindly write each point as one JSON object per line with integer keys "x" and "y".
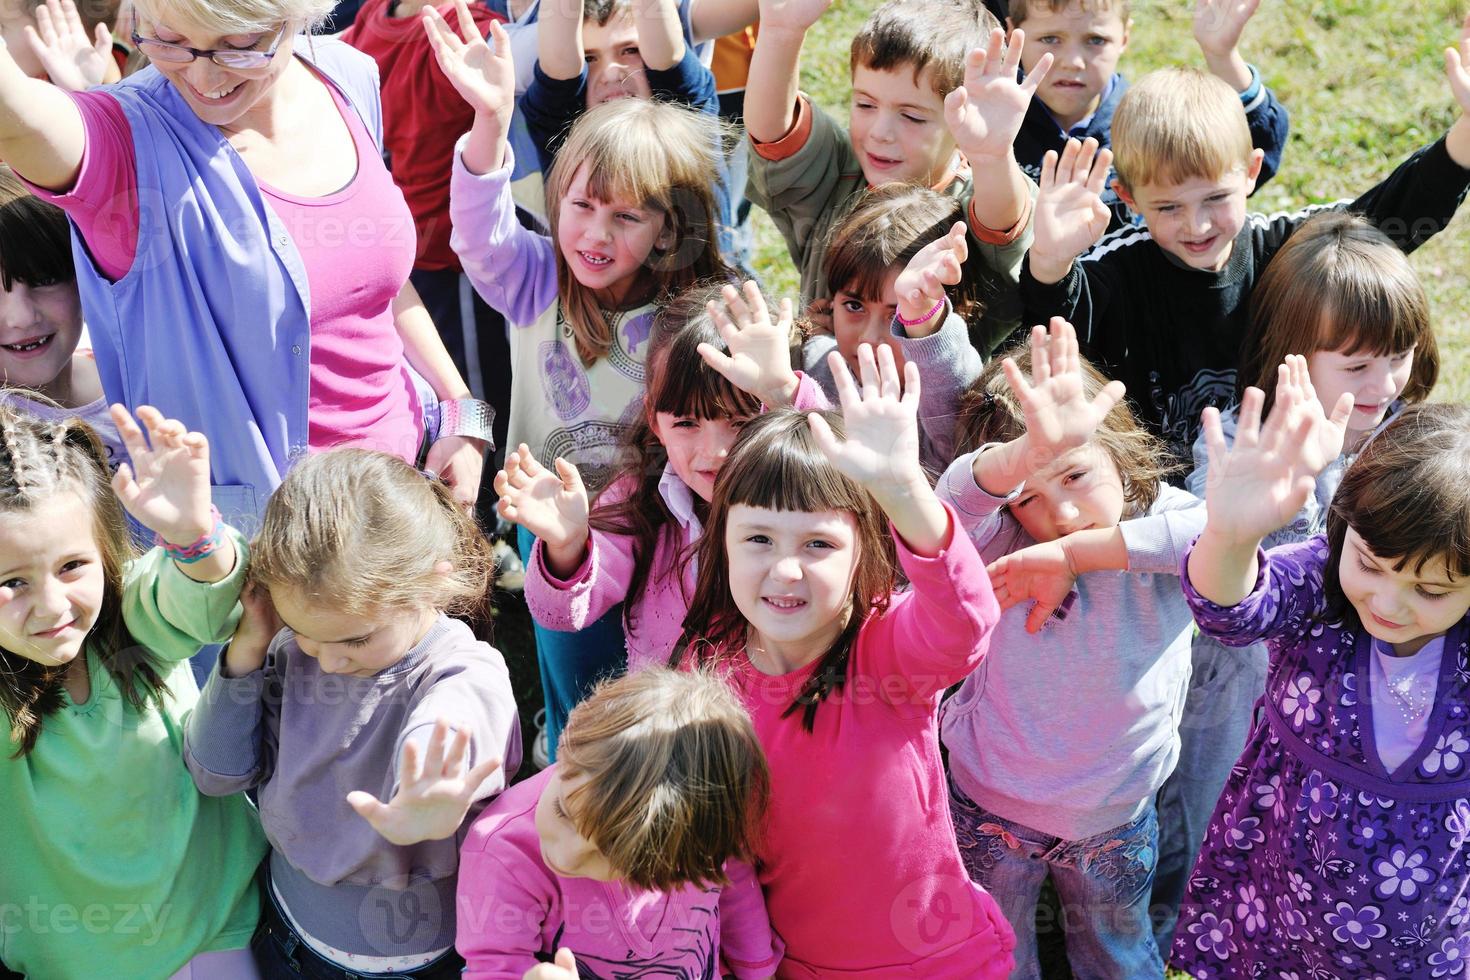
{"x": 911, "y": 383}
{"x": 867, "y": 373}
{"x": 565, "y": 959}
{"x": 571, "y": 477}
{"x": 368, "y": 806}
{"x": 437, "y": 749}
{"x": 1039, "y": 614}
{"x": 847, "y": 391}
{"x": 123, "y": 484}
{"x": 824, "y": 437}
{"x": 1214, "y": 439}
{"x": 1343, "y": 410}
{"x": 723, "y": 324}
{"x": 128, "y": 431}
{"x": 786, "y": 313}
{"x": 995, "y": 54}
{"x": 738, "y": 307}
{"x": 481, "y": 772}
{"x": 1102, "y": 165}
{"x": 467, "y": 27}
{"x": 954, "y": 105}
{"x": 6, "y": 594}
{"x": 1048, "y": 178}
{"x": 499, "y": 40}
{"x": 1017, "y": 380}
{"x": 457, "y": 757}
{"x": 410, "y": 767}
{"x": 102, "y": 39}
{"x": 1041, "y": 370}
{"x": 756, "y": 302}
{"x": 44, "y": 31}
{"x": 1061, "y": 347}
{"x": 1067, "y": 164}
{"x": 1109, "y": 397}
{"x": 1011, "y": 63}
{"x": 717, "y": 359}
{"x": 443, "y": 40}
{"x": 1248, "y": 428}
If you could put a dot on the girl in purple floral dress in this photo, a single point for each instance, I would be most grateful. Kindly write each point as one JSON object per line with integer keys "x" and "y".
{"x": 1338, "y": 848}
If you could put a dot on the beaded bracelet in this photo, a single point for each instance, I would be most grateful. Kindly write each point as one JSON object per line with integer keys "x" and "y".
{"x": 923, "y": 319}
{"x": 200, "y": 549}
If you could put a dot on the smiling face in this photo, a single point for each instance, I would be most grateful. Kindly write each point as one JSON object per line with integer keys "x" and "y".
{"x": 857, "y": 321}
{"x": 39, "y": 329}
{"x": 224, "y": 97}
{"x": 1374, "y": 381}
{"x": 1405, "y": 608}
{"x": 897, "y": 127}
{"x": 607, "y": 243}
{"x": 614, "y": 67}
{"x": 1079, "y": 490}
{"x": 51, "y": 567}
{"x": 1086, "y": 45}
{"x": 563, "y": 848}
{"x": 791, "y": 575}
{"x": 697, "y": 447}
{"x": 356, "y": 645}
{"x": 1196, "y": 220}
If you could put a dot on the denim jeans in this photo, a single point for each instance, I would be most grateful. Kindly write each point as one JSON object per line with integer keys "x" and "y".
{"x": 1219, "y": 713}
{"x": 1103, "y": 882}
{"x": 571, "y": 664}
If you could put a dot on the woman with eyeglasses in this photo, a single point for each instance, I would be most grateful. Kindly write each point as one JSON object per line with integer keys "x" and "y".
{"x": 242, "y": 252}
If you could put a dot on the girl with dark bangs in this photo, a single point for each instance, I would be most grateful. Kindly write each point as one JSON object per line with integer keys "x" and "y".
{"x": 1340, "y": 843}
{"x": 797, "y": 606}
{"x": 715, "y": 356}
{"x": 41, "y": 317}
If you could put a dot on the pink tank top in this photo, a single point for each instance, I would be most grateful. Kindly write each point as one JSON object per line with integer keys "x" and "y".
{"x": 358, "y": 246}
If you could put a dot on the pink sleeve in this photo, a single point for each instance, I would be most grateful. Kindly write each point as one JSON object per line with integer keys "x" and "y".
{"x": 103, "y": 203}
{"x": 936, "y": 633}
{"x": 499, "y": 914}
{"x": 600, "y": 583}
{"x": 809, "y": 395}
{"x": 749, "y": 946}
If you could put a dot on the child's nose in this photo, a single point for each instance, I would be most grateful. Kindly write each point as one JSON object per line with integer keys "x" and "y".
{"x": 16, "y": 308}
{"x": 787, "y": 569}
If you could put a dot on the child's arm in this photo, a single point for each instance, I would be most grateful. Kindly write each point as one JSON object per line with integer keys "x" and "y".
{"x": 498, "y": 872}
{"x": 748, "y": 944}
{"x": 512, "y": 268}
{"x": 557, "y": 92}
{"x": 710, "y": 19}
{"x": 759, "y": 361}
{"x": 229, "y": 742}
{"x": 1262, "y": 481}
{"x": 559, "y": 51}
{"x": 984, "y": 115}
{"x": 1217, "y": 28}
{"x": 72, "y": 60}
{"x": 660, "y": 34}
{"x": 771, "y": 92}
{"x": 1070, "y": 214}
{"x": 934, "y": 338}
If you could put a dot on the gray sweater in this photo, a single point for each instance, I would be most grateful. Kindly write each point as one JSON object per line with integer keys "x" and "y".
{"x": 1072, "y": 730}
{"x": 306, "y": 739}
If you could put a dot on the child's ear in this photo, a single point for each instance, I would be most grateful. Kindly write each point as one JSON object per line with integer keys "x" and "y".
{"x": 1123, "y": 195}
{"x": 1253, "y": 170}
{"x": 443, "y": 567}
{"x": 1127, "y": 33}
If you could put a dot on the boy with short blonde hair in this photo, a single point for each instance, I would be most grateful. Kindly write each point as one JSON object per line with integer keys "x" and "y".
{"x": 936, "y": 102}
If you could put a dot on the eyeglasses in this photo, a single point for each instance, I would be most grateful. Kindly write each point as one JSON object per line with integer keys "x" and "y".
{"x": 180, "y": 54}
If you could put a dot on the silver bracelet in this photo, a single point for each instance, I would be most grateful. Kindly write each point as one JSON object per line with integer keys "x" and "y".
{"x": 468, "y": 417}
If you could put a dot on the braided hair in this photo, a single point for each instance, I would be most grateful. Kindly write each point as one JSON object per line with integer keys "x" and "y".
{"x": 38, "y": 461}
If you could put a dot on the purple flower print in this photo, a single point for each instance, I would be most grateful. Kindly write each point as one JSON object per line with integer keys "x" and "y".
{"x": 1213, "y": 935}
{"x": 1292, "y": 920}
{"x": 1447, "y": 754}
{"x": 1357, "y": 926}
{"x": 1451, "y": 958}
{"x": 1244, "y": 833}
{"x": 1458, "y": 824}
{"x": 1367, "y": 831}
{"x": 1424, "y": 827}
{"x": 1300, "y": 887}
{"x": 1299, "y": 703}
{"x": 1403, "y": 874}
{"x": 1319, "y": 798}
{"x": 1250, "y": 910}
{"x": 1269, "y": 795}
{"x": 1458, "y": 912}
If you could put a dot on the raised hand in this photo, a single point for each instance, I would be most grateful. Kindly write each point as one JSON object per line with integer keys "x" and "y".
{"x": 1218, "y": 24}
{"x": 791, "y": 15}
{"x": 1042, "y": 573}
{"x": 73, "y": 61}
{"x": 759, "y": 360}
{"x": 920, "y": 286}
{"x": 564, "y": 967}
{"x": 1070, "y": 214}
{"x": 1263, "y": 480}
{"x": 985, "y": 113}
{"x": 434, "y": 793}
{"x": 166, "y": 486}
{"x": 485, "y": 77}
{"x": 1059, "y": 417}
{"x": 1457, "y": 67}
{"x": 550, "y": 504}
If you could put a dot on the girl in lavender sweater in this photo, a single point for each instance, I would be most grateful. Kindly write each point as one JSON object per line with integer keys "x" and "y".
{"x": 1339, "y": 846}
{"x": 714, "y": 358}
{"x": 348, "y": 684}
{"x": 629, "y": 857}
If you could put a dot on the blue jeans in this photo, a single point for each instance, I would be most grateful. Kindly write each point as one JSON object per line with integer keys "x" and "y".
{"x": 571, "y": 664}
{"x": 1103, "y": 882}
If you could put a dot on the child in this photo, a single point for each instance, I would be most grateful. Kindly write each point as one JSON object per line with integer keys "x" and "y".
{"x": 637, "y": 544}
{"x": 796, "y": 603}
{"x": 633, "y": 219}
{"x": 932, "y": 105}
{"x": 101, "y": 818}
{"x": 1067, "y": 483}
{"x": 1342, "y": 294}
{"x": 1337, "y": 848}
{"x": 1164, "y": 308}
{"x": 631, "y": 851}
{"x": 41, "y": 317}
{"x": 348, "y": 698}
{"x": 1082, "y": 90}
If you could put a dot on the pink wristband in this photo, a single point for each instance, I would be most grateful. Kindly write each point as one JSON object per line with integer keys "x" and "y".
{"x": 205, "y": 546}
{"x": 923, "y": 319}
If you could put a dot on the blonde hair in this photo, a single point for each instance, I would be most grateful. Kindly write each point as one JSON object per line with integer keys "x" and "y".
{"x": 1021, "y": 9}
{"x": 363, "y": 530}
{"x": 1177, "y": 124}
{"x": 989, "y": 412}
{"x": 676, "y": 781}
{"x": 920, "y": 35}
{"x": 230, "y": 17}
{"x": 1338, "y": 284}
{"x": 657, "y": 156}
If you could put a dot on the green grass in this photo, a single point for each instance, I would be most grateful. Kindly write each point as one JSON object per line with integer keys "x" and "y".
{"x": 1364, "y": 83}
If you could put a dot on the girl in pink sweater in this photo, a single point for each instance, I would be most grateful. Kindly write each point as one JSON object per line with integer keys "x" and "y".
{"x": 715, "y": 357}
{"x": 628, "y": 856}
{"x": 842, "y": 676}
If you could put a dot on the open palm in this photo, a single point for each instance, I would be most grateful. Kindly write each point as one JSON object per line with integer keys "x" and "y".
{"x": 73, "y": 60}
{"x": 1070, "y": 214}
{"x": 985, "y": 113}
{"x": 485, "y": 77}
{"x": 759, "y": 358}
{"x": 880, "y": 421}
{"x": 1059, "y": 416}
{"x": 165, "y": 484}
{"x": 434, "y": 793}
{"x": 551, "y": 504}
